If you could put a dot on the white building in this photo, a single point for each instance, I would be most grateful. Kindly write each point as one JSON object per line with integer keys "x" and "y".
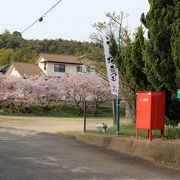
{"x": 48, "y": 64}
{"x": 55, "y": 65}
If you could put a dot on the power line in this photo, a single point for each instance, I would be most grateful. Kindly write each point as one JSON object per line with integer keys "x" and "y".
{"x": 40, "y": 19}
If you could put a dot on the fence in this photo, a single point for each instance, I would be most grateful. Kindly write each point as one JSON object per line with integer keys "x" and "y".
{"x": 101, "y": 114}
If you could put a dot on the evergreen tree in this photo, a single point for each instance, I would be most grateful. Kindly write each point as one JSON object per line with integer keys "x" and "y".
{"x": 175, "y": 42}
{"x": 162, "y": 52}
{"x": 131, "y": 61}
{"x": 159, "y": 65}
{"x": 131, "y": 66}
{"x": 139, "y": 77}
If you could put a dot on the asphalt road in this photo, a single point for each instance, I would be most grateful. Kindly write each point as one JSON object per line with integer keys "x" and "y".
{"x": 28, "y": 155}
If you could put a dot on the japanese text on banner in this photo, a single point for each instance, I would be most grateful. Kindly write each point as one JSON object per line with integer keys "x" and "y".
{"x": 112, "y": 71}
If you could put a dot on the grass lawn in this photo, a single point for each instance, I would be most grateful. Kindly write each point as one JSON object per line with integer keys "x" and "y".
{"x": 130, "y": 130}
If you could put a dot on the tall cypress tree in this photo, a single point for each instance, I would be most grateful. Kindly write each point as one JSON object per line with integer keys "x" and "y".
{"x": 162, "y": 53}
{"x": 175, "y": 41}
{"x": 131, "y": 61}
{"x": 160, "y": 67}
{"x": 131, "y": 66}
{"x": 137, "y": 57}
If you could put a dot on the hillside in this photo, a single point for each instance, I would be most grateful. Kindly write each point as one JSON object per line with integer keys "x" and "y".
{"x": 13, "y": 47}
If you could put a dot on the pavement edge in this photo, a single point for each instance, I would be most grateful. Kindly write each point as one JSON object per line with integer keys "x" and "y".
{"x": 166, "y": 153}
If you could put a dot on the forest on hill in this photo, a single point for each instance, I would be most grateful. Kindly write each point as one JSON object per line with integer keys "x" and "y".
{"x": 13, "y": 47}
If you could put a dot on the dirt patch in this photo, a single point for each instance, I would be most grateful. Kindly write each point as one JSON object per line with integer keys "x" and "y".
{"x": 51, "y": 125}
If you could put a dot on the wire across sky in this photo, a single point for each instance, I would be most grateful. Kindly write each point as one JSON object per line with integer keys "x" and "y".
{"x": 40, "y": 19}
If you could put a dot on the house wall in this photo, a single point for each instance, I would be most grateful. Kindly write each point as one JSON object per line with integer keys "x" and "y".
{"x": 41, "y": 66}
{"x": 14, "y": 73}
{"x": 69, "y": 68}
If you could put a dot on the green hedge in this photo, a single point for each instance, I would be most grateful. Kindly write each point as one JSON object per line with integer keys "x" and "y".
{"x": 54, "y": 109}
{"x": 63, "y": 109}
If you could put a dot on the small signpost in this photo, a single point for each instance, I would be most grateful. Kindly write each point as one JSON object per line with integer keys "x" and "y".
{"x": 178, "y": 93}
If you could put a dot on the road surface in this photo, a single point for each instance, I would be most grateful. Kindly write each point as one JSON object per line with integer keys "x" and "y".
{"x": 30, "y": 155}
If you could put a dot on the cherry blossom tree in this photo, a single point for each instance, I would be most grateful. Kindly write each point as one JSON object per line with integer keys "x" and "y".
{"x": 100, "y": 91}
{"x": 16, "y": 91}
{"x": 89, "y": 88}
{"x": 43, "y": 90}
{"x": 2, "y": 77}
{"x": 48, "y": 89}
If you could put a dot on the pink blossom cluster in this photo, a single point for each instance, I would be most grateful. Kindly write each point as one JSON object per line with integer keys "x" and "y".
{"x": 42, "y": 90}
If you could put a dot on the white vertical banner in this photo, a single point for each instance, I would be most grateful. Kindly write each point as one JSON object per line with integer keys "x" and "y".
{"x": 112, "y": 71}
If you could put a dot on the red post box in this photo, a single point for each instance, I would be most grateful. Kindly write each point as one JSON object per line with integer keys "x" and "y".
{"x": 150, "y": 112}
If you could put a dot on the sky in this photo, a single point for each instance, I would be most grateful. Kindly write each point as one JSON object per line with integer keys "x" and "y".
{"x": 71, "y": 19}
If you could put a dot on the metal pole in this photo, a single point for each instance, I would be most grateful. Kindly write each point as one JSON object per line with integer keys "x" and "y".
{"x": 117, "y": 115}
{"x": 84, "y": 116}
{"x": 114, "y": 111}
{"x": 116, "y": 97}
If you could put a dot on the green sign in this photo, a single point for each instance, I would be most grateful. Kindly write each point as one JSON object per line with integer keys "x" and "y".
{"x": 178, "y": 93}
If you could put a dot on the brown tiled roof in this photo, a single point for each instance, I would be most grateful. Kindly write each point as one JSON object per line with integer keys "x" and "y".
{"x": 27, "y": 69}
{"x": 69, "y": 59}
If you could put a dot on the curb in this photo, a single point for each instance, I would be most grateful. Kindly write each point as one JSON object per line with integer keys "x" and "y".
{"x": 162, "y": 152}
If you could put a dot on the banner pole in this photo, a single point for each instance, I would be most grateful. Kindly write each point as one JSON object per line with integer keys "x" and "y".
{"x": 112, "y": 73}
{"x": 117, "y": 115}
{"x": 85, "y": 116}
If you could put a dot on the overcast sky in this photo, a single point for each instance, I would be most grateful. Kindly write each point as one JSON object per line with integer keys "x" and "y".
{"x": 71, "y": 19}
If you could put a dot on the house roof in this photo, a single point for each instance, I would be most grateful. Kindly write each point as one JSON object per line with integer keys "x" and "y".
{"x": 68, "y": 59}
{"x": 25, "y": 69}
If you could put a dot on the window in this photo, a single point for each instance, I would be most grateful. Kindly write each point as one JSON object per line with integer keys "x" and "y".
{"x": 45, "y": 65}
{"x": 88, "y": 69}
{"x": 59, "y": 68}
{"x": 79, "y": 68}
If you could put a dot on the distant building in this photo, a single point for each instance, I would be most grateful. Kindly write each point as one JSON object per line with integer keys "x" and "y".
{"x": 48, "y": 64}
{"x": 24, "y": 70}
{"x": 55, "y": 65}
